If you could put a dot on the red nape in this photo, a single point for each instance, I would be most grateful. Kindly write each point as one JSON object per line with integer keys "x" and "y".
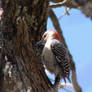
{"x": 56, "y": 34}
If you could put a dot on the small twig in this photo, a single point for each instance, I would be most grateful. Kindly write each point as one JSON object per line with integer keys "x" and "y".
{"x": 57, "y": 4}
{"x": 66, "y": 12}
{"x": 65, "y": 84}
{"x": 67, "y": 3}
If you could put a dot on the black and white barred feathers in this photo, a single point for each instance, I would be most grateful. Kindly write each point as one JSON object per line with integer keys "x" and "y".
{"x": 61, "y": 57}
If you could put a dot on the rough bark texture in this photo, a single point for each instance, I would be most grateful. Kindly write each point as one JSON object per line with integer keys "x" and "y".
{"x": 22, "y": 24}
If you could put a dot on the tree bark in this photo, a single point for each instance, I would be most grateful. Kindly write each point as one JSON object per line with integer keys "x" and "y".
{"x": 22, "y": 24}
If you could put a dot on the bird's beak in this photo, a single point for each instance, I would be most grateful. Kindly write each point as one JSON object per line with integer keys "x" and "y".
{"x": 42, "y": 38}
{"x": 40, "y": 43}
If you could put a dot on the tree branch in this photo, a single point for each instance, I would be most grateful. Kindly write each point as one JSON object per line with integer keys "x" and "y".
{"x": 65, "y": 84}
{"x": 67, "y": 3}
{"x": 58, "y": 4}
{"x": 57, "y": 27}
{"x": 84, "y": 5}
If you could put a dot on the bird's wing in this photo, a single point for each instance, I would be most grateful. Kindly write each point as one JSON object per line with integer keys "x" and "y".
{"x": 61, "y": 56}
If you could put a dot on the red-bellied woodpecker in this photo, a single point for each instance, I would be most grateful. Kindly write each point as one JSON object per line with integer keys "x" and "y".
{"x": 55, "y": 56}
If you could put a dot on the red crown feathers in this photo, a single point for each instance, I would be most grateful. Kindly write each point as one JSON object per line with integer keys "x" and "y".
{"x": 56, "y": 34}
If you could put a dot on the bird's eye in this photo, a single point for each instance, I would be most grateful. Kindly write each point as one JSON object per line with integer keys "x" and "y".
{"x": 44, "y": 35}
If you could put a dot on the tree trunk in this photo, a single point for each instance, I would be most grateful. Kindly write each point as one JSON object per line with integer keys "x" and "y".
{"x": 22, "y": 24}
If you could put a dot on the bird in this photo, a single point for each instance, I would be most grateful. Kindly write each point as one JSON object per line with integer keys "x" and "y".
{"x": 55, "y": 56}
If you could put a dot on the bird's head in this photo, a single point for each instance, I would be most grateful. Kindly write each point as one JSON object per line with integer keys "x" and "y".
{"x": 50, "y": 34}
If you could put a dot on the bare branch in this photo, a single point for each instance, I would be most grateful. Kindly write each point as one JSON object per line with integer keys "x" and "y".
{"x": 68, "y": 3}
{"x": 65, "y": 13}
{"x": 57, "y": 27}
{"x": 58, "y": 4}
{"x": 65, "y": 84}
{"x": 74, "y": 80}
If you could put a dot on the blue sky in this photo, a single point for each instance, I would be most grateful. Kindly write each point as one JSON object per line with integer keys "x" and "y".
{"x": 77, "y": 30}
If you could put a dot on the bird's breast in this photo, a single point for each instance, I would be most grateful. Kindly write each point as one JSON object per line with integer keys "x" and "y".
{"x": 48, "y": 59}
